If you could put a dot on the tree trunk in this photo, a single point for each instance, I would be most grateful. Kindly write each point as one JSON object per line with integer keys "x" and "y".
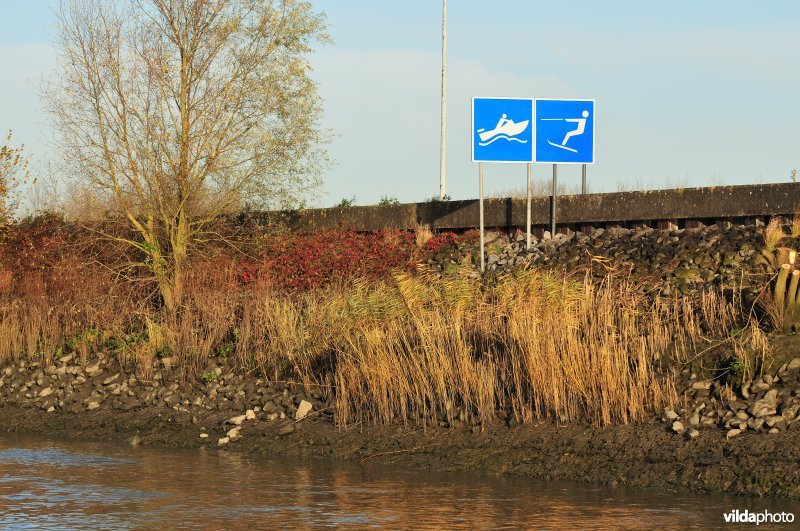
{"x": 167, "y": 295}
{"x": 180, "y": 244}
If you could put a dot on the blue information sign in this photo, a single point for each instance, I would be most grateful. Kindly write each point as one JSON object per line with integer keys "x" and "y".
{"x": 502, "y": 130}
{"x": 565, "y": 131}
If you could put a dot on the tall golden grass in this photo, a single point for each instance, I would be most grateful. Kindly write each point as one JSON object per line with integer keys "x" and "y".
{"x": 535, "y": 344}
{"x": 416, "y": 348}
{"x": 773, "y": 233}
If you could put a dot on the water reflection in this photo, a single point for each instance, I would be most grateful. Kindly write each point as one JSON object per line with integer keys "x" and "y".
{"x": 88, "y": 485}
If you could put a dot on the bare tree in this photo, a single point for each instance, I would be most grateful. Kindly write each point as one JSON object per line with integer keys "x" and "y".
{"x": 179, "y": 110}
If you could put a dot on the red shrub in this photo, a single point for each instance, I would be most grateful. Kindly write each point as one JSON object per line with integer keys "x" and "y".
{"x": 36, "y": 244}
{"x": 441, "y": 241}
{"x": 48, "y": 255}
{"x": 313, "y": 259}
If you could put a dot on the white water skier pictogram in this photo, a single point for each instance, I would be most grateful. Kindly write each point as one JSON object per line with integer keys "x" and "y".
{"x": 575, "y": 132}
{"x": 505, "y": 129}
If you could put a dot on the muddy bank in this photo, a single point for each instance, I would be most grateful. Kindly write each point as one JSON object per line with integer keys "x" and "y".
{"x": 224, "y": 412}
{"x": 643, "y": 455}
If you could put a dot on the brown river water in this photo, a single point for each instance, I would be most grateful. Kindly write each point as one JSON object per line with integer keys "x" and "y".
{"x": 82, "y": 485}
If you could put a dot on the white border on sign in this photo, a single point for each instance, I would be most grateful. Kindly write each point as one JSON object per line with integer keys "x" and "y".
{"x": 533, "y": 130}
{"x": 594, "y": 123}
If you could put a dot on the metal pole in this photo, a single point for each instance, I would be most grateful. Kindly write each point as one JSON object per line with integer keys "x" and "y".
{"x": 528, "y": 218}
{"x": 443, "y": 140}
{"x": 480, "y": 187}
{"x": 553, "y": 203}
{"x": 583, "y": 180}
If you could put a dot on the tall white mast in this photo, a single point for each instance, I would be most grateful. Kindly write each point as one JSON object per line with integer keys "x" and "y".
{"x": 443, "y": 142}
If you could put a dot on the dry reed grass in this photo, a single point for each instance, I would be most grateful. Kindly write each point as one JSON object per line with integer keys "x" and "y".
{"x": 422, "y": 235}
{"x": 773, "y": 234}
{"x": 414, "y": 349}
{"x": 795, "y": 228}
{"x": 42, "y": 314}
{"x": 535, "y": 345}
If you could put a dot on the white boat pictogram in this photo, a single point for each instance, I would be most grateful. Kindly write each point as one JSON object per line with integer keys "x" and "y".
{"x": 505, "y": 129}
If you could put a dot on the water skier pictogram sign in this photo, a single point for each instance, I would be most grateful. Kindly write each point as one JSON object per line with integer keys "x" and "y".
{"x": 502, "y": 130}
{"x": 565, "y": 131}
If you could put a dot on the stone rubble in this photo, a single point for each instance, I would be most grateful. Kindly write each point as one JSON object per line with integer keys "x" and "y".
{"x": 766, "y": 404}
{"x": 100, "y": 384}
{"x": 671, "y": 261}
{"x": 303, "y": 409}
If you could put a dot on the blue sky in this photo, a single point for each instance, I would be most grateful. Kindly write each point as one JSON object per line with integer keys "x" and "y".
{"x": 687, "y": 92}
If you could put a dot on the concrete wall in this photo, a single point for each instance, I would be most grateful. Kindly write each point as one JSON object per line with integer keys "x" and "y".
{"x": 677, "y": 206}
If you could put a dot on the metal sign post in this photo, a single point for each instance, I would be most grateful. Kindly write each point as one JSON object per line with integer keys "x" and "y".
{"x": 528, "y": 217}
{"x": 480, "y": 188}
{"x": 584, "y": 184}
{"x": 553, "y": 203}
